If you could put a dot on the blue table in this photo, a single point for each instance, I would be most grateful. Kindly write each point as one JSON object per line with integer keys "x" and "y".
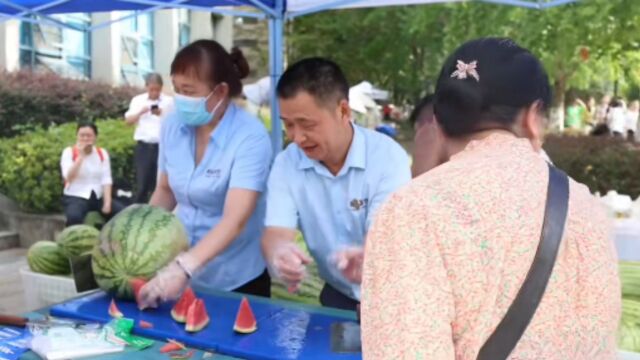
{"x": 286, "y": 330}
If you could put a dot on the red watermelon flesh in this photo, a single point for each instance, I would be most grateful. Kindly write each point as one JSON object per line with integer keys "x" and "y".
{"x": 114, "y": 311}
{"x": 197, "y": 317}
{"x": 179, "y": 311}
{"x": 245, "y": 320}
{"x": 136, "y": 285}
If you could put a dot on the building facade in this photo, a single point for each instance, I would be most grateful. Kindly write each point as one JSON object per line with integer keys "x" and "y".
{"x": 119, "y": 54}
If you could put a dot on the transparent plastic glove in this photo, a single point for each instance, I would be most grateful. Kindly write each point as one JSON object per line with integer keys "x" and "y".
{"x": 288, "y": 264}
{"x": 168, "y": 283}
{"x": 349, "y": 261}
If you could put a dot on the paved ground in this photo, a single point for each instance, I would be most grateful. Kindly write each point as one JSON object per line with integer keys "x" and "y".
{"x": 11, "y": 289}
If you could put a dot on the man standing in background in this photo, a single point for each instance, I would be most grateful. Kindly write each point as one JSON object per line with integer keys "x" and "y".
{"x": 147, "y": 112}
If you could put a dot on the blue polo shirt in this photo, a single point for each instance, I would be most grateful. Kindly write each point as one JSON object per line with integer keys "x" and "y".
{"x": 334, "y": 212}
{"x": 238, "y": 156}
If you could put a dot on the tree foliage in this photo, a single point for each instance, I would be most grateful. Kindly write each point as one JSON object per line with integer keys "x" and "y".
{"x": 589, "y": 45}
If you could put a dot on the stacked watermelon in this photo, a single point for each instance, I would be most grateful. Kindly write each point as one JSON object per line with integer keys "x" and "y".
{"x": 52, "y": 258}
{"x": 46, "y": 257}
{"x": 135, "y": 244}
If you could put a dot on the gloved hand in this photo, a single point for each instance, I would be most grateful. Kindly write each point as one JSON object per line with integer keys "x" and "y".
{"x": 349, "y": 261}
{"x": 168, "y": 283}
{"x": 288, "y": 263}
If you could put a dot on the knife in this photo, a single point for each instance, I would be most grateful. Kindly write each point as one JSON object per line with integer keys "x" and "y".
{"x": 46, "y": 322}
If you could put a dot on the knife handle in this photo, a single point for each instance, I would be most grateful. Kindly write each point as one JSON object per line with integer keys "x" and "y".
{"x": 13, "y": 320}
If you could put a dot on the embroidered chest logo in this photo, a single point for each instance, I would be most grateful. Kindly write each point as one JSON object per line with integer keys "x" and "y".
{"x": 212, "y": 173}
{"x": 357, "y": 204}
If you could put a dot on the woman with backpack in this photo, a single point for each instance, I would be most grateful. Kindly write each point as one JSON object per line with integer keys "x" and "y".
{"x": 86, "y": 171}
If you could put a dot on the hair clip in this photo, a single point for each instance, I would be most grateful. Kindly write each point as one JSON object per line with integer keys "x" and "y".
{"x": 465, "y": 70}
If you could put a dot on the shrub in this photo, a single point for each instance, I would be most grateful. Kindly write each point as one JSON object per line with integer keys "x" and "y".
{"x": 601, "y": 163}
{"x": 30, "y": 163}
{"x": 30, "y": 100}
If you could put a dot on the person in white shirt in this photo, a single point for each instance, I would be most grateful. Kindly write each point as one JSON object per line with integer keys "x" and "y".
{"x": 632, "y": 119}
{"x": 257, "y": 95}
{"x": 86, "y": 171}
{"x": 616, "y": 118}
{"x": 147, "y": 111}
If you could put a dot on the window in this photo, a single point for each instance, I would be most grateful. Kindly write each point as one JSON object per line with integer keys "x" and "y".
{"x": 184, "y": 27}
{"x": 62, "y": 50}
{"x": 137, "y": 47}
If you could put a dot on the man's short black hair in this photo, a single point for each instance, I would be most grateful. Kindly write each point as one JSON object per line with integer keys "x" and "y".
{"x": 321, "y": 78}
{"x": 421, "y": 105}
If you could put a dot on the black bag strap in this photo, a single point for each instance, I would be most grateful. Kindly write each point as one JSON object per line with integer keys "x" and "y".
{"x": 505, "y": 337}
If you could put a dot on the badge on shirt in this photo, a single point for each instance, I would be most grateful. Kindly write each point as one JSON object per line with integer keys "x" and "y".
{"x": 212, "y": 173}
{"x": 357, "y": 204}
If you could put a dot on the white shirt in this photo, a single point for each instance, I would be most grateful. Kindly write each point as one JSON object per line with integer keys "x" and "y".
{"x": 632, "y": 120}
{"x": 617, "y": 120}
{"x": 94, "y": 173}
{"x": 148, "y": 128}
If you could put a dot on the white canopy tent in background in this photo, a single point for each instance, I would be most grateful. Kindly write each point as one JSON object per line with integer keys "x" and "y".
{"x": 276, "y": 12}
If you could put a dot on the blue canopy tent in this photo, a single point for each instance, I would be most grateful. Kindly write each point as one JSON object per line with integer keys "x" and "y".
{"x": 276, "y": 12}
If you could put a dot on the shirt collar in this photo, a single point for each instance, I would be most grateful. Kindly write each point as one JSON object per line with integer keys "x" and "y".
{"x": 219, "y": 135}
{"x": 356, "y": 157}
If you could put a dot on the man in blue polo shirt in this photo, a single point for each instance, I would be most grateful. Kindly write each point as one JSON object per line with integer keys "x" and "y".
{"x": 328, "y": 182}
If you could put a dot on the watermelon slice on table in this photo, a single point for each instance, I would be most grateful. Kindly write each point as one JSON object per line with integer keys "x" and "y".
{"x": 145, "y": 324}
{"x": 197, "y": 317}
{"x": 137, "y": 284}
{"x": 114, "y": 311}
{"x": 245, "y": 320}
{"x": 172, "y": 345}
{"x": 179, "y": 311}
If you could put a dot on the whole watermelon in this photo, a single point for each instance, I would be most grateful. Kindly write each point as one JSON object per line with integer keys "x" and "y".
{"x": 78, "y": 240}
{"x": 95, "y": 219}
{"x": 136, "y": 243}
{"x": 46, "y": 257}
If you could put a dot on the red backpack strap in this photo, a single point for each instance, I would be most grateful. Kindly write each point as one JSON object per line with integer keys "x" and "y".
{"x": 100, "y": 154}
{"x": 75, "y": 152}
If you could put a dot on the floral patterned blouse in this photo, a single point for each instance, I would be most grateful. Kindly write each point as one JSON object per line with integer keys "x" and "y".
{"x": 448, "y": 253}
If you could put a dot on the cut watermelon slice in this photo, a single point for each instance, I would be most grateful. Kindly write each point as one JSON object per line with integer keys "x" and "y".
{"x": 172, "y": 346}
{"x": 114, "y": 311}
{"x": 197, "y": 317}
{"x": 136, "y": 285}
{"x": 145, "y": 324}
{"x": 179, "y": 311}
{"x": 245, "y": 320}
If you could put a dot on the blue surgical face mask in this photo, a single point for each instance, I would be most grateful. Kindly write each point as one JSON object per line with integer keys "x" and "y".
{"x": 192, "y": 111}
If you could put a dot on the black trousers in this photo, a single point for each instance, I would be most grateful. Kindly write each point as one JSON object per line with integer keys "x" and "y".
{"x": 260, "y": 286}
{"x": 146, "y": 161}
{"x": 76, "y": 208}
{"x": 330, "y": 297}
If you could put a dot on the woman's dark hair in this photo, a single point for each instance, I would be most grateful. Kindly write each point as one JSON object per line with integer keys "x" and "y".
{"x": 424, "y": 103}
{"x": 615, "y": 103}
{"x": 209, "y": 61}
{"x": 510, "y": 79}
{"x": 89, "y": 125}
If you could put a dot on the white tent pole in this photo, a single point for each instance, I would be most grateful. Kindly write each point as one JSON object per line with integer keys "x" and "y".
{"x": 276, "y": 65}
{"x": 322, "y": 7}
{"x": 520, "y": 3}
{"x": 216, "y": 10}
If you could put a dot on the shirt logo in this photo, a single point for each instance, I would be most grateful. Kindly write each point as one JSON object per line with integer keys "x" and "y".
{"x": 212, "y": 173}
{"x": 357, "y": 204}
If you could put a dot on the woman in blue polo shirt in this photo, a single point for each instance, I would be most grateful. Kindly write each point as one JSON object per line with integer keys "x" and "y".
{"x": 214, "y": 161}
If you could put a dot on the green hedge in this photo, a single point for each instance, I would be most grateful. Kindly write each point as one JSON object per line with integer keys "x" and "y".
{"x": 601, "y": 163}
{"x": 30, "y": 100}
{"x": 30, "y": 163}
